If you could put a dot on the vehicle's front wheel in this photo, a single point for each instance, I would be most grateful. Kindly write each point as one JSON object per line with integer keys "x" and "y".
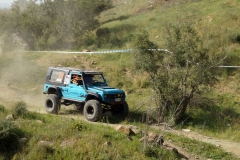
{"x": 92, "y": 110}
{"x": 52, "y": 103}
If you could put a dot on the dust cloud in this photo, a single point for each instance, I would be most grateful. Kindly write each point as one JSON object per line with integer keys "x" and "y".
{"x": 21, "y": 79}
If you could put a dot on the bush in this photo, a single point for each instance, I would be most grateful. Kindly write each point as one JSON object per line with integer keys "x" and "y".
{"x": 151, "y": 152}
{"x": 159, "y": 153}
{"x": 34, "y": 116}
{"x": 103, "y": 36}
{"x": 8, "y": 137}
{"x": 20, "y": 109}
{"x": 238, "y": 38}
{"x": 2, "y": 108}
{"x": 235, "y": 38}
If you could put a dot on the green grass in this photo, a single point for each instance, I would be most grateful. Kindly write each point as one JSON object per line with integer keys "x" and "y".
{"x": 199, "y": 148}
{"x": 210, "y": 17}
{"x": 220, "y": 119}
{"x": 85, "y": 140}
{"x": 24, "y": 72}
{"x": 46, "y": 134}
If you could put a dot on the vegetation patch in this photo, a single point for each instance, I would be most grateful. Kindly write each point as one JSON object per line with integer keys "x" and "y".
{"x": 199, "y": 148}
{"x": 9, "y": 138}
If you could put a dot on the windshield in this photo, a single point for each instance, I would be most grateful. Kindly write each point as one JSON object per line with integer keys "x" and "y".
{"x": 94, "y": 79}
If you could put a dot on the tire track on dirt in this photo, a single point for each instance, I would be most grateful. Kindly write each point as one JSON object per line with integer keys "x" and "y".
{"x": 228, "y": 146}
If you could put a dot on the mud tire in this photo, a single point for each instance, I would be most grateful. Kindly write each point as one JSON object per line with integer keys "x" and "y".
{"x": 92, "y": 110}
{"x": 52, "y": 104}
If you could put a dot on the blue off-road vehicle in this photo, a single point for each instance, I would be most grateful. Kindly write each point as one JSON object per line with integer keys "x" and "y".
{"x": 85, "y": 90}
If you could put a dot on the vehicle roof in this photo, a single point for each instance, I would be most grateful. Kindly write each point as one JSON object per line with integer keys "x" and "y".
{"x": 77, "y": 70}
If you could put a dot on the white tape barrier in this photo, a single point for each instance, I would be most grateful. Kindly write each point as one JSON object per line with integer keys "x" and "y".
{"x": 229, "y": 66}
{"x": 114, "y": 51}
{"x": 96, "y": 52}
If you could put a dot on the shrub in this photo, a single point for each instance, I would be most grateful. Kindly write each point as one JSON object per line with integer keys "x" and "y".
{"x": 78, "y": 125}
{"x": 2, "y": 108}
{"x": 20, "y": 109}
{"x": 159, "y": 153}
{"x": 151, "y": 152}
{"x": 8, "y": 137}
{"x": 175, "y": 77}
{"x": 34, "y": 116}
{"x": 235, "y": 38}
{"x": 238, "y": 38}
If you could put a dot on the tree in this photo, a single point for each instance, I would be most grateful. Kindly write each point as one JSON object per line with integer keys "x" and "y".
{"x": 22, "y": 4}
{"x": 56, "y": 24}
{"x": 176, "y": 75}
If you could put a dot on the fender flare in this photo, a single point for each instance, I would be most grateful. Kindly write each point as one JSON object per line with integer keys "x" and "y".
{"x": 55, "y": 90}
{"x": 92, "y": 95}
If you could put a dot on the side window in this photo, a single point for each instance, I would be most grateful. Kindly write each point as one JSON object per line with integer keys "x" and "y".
{"x": 98, "y": 78}
{"x": 57, "y": 76}
{"x": 76, "y": 79}
{"x": 88, "y": 79}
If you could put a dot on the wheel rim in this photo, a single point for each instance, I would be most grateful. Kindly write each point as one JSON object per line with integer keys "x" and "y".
{"x": 49, "y": 104}
{"x": 90, "y": 110}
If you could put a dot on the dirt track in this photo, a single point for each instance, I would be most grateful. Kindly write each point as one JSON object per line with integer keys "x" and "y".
{"x": 228, "y": 146}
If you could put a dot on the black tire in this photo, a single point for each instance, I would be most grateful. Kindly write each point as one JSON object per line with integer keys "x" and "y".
{"x": 92, "y": 110}
{"x": 52, "y": 103}
{"x": 78, "y": 106}
{"x": 120, "y": 110}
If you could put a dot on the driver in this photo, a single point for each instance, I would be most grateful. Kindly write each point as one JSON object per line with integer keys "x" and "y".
{"x": 76, "y": 79}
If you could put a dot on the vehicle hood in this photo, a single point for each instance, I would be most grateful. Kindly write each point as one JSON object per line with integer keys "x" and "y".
{"x": 105, "y": 89}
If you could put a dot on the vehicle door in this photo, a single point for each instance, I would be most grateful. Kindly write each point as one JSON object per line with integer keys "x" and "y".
{"x": 75, "y": 88}
{"x": 65, "y": 88}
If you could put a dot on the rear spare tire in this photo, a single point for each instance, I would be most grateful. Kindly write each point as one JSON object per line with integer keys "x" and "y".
{"x": 92, "y": 110}
{"x": 52, "y": 104}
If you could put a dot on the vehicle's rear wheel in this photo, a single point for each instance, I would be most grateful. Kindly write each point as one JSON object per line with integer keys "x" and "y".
{"x": 92, "y": 110}
{"x": 120, "y": 110}
{"x": 52, "y": 103}
{"x": 78, "y": 106}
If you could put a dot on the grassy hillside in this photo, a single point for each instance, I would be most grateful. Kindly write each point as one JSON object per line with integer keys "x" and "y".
{"x": 26, "y": 84}
{"x": 23, "y": 74}
{"x": 218, "y": 18}
{"x": 217, "y": 21}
